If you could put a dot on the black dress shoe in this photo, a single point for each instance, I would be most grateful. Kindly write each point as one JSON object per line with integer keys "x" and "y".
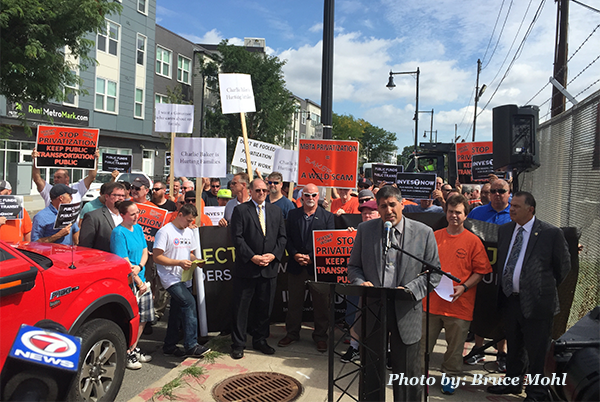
{"x": 505, "y": 389}
{"x": 237, "y": 353}
{"x": 264, "y": 347}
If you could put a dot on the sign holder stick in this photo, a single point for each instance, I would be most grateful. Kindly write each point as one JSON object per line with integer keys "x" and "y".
{"x": 171, "y": 175}
{"x": 246, "y": 148}
{"x": 291, "y": 190}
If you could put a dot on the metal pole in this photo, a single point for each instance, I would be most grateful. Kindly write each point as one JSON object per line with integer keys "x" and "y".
{"x": 327, "y": 66}
{"x": 417, "y": 115}
{"x": 431, "y": 129}
{"x": 560, "y": 57}
{"x": 476, "y": 97}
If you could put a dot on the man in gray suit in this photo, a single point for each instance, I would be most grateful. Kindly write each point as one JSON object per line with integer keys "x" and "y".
{"x": 98, "y": 225}
{"x": 534, "y": 258}
{"x": 366, "y": 267}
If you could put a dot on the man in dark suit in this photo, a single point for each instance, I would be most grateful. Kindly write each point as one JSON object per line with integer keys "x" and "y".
{"x": 98, "y": 225}
{"x": 258, "y": 233}
{"x": 300, "y": 224}
{"x": 368, "y": 268}
{"x": 535, "y": 259}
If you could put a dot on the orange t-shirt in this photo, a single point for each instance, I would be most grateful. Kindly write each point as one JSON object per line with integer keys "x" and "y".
{"x": 14, "y": 230}
{"x": 461, "y": 255}
{"x": 408, "y": 202}
{"x": 350, "y": 207}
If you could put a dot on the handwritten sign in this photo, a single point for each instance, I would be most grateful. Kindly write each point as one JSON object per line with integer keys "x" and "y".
{"x": 332, "y": 252}
{"x": 11, "y": 207}
{"x": 328, "y": 163}
{"x": 200, "y": 157}
{"x": 67, "y": 214}
{"x": 236, "y": 92}
{"x": 262, "y": 155}
{"x": 111, "y": 162}
{"x": 66, "y": 147}
{"x": 151, "y": 220}
{"x": 173, "y": 118}
{"x": 285, "y": 162}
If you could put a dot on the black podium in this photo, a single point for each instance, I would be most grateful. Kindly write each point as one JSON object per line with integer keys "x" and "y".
{"x": 373, "y": 315}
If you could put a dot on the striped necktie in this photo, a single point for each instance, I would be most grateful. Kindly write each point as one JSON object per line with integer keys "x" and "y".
{"x": 509, "y": 270}
{"x": 261, "y": 219}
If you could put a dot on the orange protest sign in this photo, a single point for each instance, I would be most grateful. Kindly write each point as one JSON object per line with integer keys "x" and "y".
{"x": 332, "y": 252}
{"x": 328, "y": 163}
{"x": 151, "y": 219}
{"x": 464, "y": 152}
{"x": 66, "y": 147}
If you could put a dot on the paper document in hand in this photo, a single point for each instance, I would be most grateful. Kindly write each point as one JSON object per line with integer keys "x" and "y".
{"x": 445, "y": 288}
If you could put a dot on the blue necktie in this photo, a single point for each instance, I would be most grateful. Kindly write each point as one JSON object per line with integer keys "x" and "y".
{"x": 509, "y": 270}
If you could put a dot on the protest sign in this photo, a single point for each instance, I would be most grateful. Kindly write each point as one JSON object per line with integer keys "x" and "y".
{"x": 261, "y": 155}
{"x": 236, "y": 93}
{"x": 464, "y": 153}
{"x": 173, "y": 118}
{"x": 200, "y": 157}
{"x": 11, "y": 207}
{"x": 328, "y": 163}
{"x": 151, "y": 219}
{"x": 481, "y": 166}
{"x": 111, "y": 162}
{"x": 215, "y": 214}
{"x": 67, "y": 214}
{"x": 66, "y": 147}
{"x": 416, "y": 185}
{"x": 285, "y": 162}
{"x": 332, "y": 252}
{"x": 383, "y": 172}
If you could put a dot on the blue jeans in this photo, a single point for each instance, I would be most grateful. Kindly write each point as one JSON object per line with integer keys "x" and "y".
{"x": 183, "y": 309}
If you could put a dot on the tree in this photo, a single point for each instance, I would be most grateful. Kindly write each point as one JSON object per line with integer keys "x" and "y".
{"x": 346, "y": 127}
{"x": 33, "y": 36}
{"x": 274, "y": 104}
{"x": 378, "y": 144}
{"x": 406, "y": 156}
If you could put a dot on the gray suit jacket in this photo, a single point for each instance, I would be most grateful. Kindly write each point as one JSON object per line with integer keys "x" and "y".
{"x": 366, "y": 265}
{"x": 546, "y": 263}
{"x": 96, "y": 229}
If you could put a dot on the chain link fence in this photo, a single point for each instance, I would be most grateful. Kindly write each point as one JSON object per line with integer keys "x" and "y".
{"x": 567, "y": 190}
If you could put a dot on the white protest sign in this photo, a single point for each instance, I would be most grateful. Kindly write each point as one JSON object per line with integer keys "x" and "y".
{"x": 200, "y": 157}
{"x": 236, "y": 93}
{"x": 215, "y": 214}
{"x": 285, "y": 162}
{"x": 174, "y": 118}
{"x": 261, "y": 155}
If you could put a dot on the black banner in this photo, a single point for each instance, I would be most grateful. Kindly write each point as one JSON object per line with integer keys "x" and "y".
{"x": 111, "y": 162}
{"x": 482, "y": 165}
{"x": 385, "y": 173}
{"x": 67, "y": 214}
{"x": 66, "y": 147}
{"x": 51, "y": 113}
{"x": 11, "y": 206}
{"x": 416, "y": 185}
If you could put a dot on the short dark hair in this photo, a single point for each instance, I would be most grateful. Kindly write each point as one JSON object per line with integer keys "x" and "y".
{"x": 244, "y": 178}
{"x": 276, "y": 176}
{"x": 388, "y": 191}
{"x": 456, "y": 199}
{"x": 215, "y": 180}
{"x": 123, "y": 206}
{"x": 111, "y": 186}
{"x": 126, "y": 184}
{"x": 188, "y": 209}
{"x": 162, "y": 185}
{"x": 529, "y": 198}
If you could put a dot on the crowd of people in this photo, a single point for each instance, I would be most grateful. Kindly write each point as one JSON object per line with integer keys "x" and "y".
{"x": 265, "y": 221}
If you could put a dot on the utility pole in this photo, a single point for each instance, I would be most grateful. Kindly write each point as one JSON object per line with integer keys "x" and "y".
{"x": 560, "y": 56}
{"x": 476, "y": 97}
{"x": 327, "y": 67}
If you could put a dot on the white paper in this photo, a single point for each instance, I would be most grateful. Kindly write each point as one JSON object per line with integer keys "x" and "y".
{"x": 173, "y": 118}
{"x": 200, "y": 157}
{"x": 215, "y": 214}
{"x": 236, "y": 93}
{"x": 445, "y": 288}
{"x": 201, "y": 295}
{"x": 285, "y": 162}
{"x": 262, "y": 155}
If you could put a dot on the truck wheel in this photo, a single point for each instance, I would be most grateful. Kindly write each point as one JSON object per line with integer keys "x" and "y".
{"x": 102, "y": 362}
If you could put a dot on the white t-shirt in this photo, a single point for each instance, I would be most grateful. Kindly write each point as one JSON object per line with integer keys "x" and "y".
{"x": 79, "y": 186}
{"x": 176, "y": 244}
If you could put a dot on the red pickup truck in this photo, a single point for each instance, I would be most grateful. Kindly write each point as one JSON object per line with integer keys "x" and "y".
{"x": 85, "y": 290}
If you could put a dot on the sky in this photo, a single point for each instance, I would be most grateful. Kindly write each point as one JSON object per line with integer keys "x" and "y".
{"x": 443, "y": 38}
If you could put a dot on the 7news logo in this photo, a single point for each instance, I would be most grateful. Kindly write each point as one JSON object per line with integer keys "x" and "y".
{"x": 47, "y": 348}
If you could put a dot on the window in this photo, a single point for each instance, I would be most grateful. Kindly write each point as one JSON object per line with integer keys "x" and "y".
{"x": 139, "y": 103}
{"x": 142, "y": 6}
{"x": 112, "y": 37}
{"x": 71, "y": 93}
{"x": 161, "y": 99}
{"x": 106, "y": 95}
{"x": 303, "y": 120}
{"x": 183, "y": 69}
{"x": 141, "y": 49}
{"x": 163, "y": 62}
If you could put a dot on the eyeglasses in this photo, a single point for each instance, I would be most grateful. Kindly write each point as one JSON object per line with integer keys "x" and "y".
{"x": 190, "y": 200}
{"x": 215, "y": 185}
{"x": 498, "y": 190}
{"x": 261, "y": 190}
{"x": 309, "y": 195}
{"x": 157, "y": 189}
{"x": 274, "y": 182}
{"x": 181, "y": 202}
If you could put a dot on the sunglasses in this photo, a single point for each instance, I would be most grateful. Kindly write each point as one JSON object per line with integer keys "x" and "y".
{"x": 190, "y": 200}
{"x": 156, "y": 189}
{"x": 215, "y": 186}
{"x": 364, "y": 200}
{"x": 274, "y": 183}
{"x": 181, "y": 202}
{"x": 498, "y": 191}
{"x": 309, "y": 195}
{"x": 261, "y": 190}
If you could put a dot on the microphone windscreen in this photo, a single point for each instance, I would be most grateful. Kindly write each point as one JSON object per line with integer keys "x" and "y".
{"x": 388, "y": 225}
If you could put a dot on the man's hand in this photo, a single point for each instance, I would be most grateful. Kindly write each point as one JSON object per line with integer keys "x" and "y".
{"x": 135, "y": 269}
{"x": 302, "y": 259}
{"x": 185, "y": 264}
{"x": 437, "y": 195}
{"x": 458, "y": 291}
{"x": 65, "y": 231}
{"x": 2, "y": 220}
{"x": 114, "y": 175}
{"x": 223, "y": 222}
{"x": 367, "y": 283}
{"x": 34, "y": 154}
{"x": 340, "y": 212}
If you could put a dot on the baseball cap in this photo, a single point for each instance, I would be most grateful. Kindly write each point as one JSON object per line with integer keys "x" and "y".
{"x": 5, "y": 185}
{"x": 60, "y": 189}
{"x": 224, "y": 193}
{"x": 364, "y": 182}
{"x": 140, "y": 181}
{"x": 365, "y": 193}
{"x": 369, "y": 204}
{"x": 189, "y": 194}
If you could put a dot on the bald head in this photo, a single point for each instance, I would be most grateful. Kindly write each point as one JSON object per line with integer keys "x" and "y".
{"x": 310, "y": 197}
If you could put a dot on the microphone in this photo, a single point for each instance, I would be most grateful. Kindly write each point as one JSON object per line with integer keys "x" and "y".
{"x": 387, "y": 226}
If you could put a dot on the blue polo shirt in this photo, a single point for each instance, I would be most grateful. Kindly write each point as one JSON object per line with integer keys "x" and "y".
{"x": 43, "y": 224}
{"x": 488, "y": 214}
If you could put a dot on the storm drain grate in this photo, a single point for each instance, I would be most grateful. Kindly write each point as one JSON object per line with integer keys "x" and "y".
{"x": 258, "y": 387}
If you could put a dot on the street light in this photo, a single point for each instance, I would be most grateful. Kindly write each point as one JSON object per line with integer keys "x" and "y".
{"x": 296, "y": 113}
{"x": 390, "y": 85}
{"x": 431, "y": 128}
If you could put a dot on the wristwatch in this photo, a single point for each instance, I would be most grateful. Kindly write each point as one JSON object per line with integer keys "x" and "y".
{"x": 465, "y": 286}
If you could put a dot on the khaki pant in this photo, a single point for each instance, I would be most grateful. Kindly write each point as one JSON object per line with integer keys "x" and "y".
{"x": 456, "y": 334}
